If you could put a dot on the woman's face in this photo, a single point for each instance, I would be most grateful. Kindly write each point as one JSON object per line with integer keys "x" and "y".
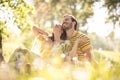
{"x": 57, "y": 30}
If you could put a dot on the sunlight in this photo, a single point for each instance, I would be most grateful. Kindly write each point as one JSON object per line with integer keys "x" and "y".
{"x": 48, "y": 24}
{"x": 45, "y": 59}
{"x": 29, "y": 2}
{"x": 81, "y": 75}
{"x": 7, "y": 16}
{"x": 117, "y": 33}
{"x": 38, "y": 78}
{"x": 97, "y": 23}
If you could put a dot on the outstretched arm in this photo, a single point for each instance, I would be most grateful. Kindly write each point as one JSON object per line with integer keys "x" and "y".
{"x": 38, "y": 31}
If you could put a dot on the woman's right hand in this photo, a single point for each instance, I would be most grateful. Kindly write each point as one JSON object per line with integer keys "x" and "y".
{"x": 57, "y": 29}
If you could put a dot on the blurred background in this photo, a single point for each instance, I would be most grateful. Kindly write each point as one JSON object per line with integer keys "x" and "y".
{"x": 99, "y": 19}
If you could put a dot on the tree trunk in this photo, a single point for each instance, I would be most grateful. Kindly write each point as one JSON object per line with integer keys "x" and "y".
{"x": 1, "y": 56}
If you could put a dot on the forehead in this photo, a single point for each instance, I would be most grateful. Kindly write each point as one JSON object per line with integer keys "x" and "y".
{"x": 67, "y": 17}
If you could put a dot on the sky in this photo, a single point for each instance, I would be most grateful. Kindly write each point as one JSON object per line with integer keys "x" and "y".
{"x": 97, "y": 22}
{"x": 6, "y": 15}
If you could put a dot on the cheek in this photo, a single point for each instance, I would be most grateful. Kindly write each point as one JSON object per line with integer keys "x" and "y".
{"x": 70, "y": 24}
{"x": 60, "y": 31}
{"x": 54, "y": 30}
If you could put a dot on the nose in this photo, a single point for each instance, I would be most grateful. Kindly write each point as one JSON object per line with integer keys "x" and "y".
{"x": 64, "y": 21}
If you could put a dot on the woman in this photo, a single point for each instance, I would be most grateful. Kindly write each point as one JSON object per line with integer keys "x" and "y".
{"x": 49, "y": 45}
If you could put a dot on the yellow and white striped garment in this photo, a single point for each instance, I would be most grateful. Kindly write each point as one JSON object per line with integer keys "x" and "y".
{"x": 83, "y": 45}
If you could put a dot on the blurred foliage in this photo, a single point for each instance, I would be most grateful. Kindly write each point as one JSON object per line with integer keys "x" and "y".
{"x": 15, "y": 21}
{"x": 104, "y": 43}
{"x": 113, "y": 7}
{"x": 112, "y": 35}
{"x": 51, "y": 10}
{"x": 118, "y": 45}
{"x": 18, "y": 13}
{"x": 106, "y": 68}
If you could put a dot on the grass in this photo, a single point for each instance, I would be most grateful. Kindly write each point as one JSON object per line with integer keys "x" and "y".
{"x": 107, "y": 68}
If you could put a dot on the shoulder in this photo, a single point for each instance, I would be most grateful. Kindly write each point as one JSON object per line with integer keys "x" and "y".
{"x": 84, "y": 42}
{"x": 83, "y": 37}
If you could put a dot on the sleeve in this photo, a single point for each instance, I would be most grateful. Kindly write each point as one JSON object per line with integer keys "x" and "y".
{"x": 40, "y": 37}
{"x": 85, "y": 43}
